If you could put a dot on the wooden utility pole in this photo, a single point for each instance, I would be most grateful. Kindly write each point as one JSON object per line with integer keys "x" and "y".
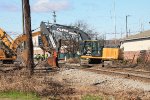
{"x": 27, "y": 22}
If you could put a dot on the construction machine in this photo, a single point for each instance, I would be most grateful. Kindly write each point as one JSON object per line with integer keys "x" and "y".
{"x": 92, "y": 51}
{"x": 9, "y": 47}
{"x": 68, "y": 36}
{"x": 7, "y": 54}
{"x": 49, "y": 43}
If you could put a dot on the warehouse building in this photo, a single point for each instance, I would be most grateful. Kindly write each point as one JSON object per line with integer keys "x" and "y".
{"x": 136, "y": 46}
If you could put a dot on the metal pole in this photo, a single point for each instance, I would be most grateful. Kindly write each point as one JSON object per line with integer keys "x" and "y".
{"x": 54, "y": 17}
{"x": 115, "y": 29}
{"x": 126, "y": 26}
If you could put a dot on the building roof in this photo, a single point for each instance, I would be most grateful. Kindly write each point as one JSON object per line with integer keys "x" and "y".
{"x": 142, "y": 35}
{"x": 112, "y": 43}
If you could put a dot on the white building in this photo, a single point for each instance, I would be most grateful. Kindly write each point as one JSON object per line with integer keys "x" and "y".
{"x": 37, "y": 49}
{"x": 134, "y": 44}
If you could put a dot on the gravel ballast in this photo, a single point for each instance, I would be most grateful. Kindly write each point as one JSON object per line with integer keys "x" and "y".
{"x": 103, "y": 82}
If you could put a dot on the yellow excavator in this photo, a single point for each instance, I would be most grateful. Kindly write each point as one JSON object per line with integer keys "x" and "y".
{"x": 93, "y": 52}
{"x": 8, "y": 46}
{"x": 7, "y": 54}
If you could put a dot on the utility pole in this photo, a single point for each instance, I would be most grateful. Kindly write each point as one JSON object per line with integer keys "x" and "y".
{"x": 54, "y": 22}
{"x": 121, "y": 33}
{"x": 115, "y": 18}
{"x": 24, "y": 43}
{"x": 29, "y": 46}
{"x": 54, "y": 17}
{"x": 141, "y": 25}
{"x": 115, "y": 29}
{"x": 22, "y": 17}
{"x": 127, "y": 25}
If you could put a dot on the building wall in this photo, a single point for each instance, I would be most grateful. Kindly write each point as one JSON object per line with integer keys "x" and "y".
{"x": 136, "y": 45}
{"x": 131, "y": 55}
{"x": 132, "y": 49}
{"x": 35, "y": 41}
{"x": 37, "y": 49}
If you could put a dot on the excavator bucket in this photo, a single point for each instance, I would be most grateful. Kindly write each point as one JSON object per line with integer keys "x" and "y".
{"x": 52, "y": 61}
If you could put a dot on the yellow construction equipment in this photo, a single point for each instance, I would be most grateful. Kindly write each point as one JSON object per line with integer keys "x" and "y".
{"x": 92, "y": 52}
{"x": 6, "y": 53}
{"x": 9, "y": 47}
{"x": 111, "y": 53}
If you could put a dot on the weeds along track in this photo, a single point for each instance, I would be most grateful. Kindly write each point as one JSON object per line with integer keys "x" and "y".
{"x": 137, "y": 75}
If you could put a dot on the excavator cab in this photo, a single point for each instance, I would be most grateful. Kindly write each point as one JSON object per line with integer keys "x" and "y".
{"x": 91, "y": 48}
{"x": 91, "y": 52}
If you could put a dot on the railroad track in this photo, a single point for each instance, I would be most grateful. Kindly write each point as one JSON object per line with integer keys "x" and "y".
{"x": 133, "y": 76}
{"x": 9, "y": 67}
{"x": 128, "y": 71}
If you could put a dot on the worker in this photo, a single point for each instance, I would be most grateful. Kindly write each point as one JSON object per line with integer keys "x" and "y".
{"x": 45, "y": 56}
{"x": 89, "y": 51}
{"x": 38, "y": 57}
{"x": 42, "y": 57}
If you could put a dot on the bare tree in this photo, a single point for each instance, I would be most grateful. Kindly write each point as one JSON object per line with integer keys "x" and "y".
{"x": 86, "y": 28}
{"x": 90, "y": 31}
{"x": 27, "y": 20}
{"x": 81, "y": 25}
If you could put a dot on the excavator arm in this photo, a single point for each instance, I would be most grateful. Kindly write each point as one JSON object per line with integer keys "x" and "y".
{"x": 48, "y": 41}
{"x": 5, "y": 42}
{"x": 70, "y": 30}
{"x": 8, "y": 46}
{"x": 20, "y": 39}
{"x": 66, "y": 36}
{"x": 5, "y": 38}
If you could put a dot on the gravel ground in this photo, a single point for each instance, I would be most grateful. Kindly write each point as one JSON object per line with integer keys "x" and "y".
{"x": 76, "y": 76}
{"x": 104, "y": 83}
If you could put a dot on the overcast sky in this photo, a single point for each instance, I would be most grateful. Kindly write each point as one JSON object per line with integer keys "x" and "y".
{"x": 99, "y": 14}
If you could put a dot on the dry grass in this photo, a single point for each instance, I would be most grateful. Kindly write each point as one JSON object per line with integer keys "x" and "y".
{"x": 45, "y": 85}
{"x": 41, "y": 85}
{"x": 16, "y": 81}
